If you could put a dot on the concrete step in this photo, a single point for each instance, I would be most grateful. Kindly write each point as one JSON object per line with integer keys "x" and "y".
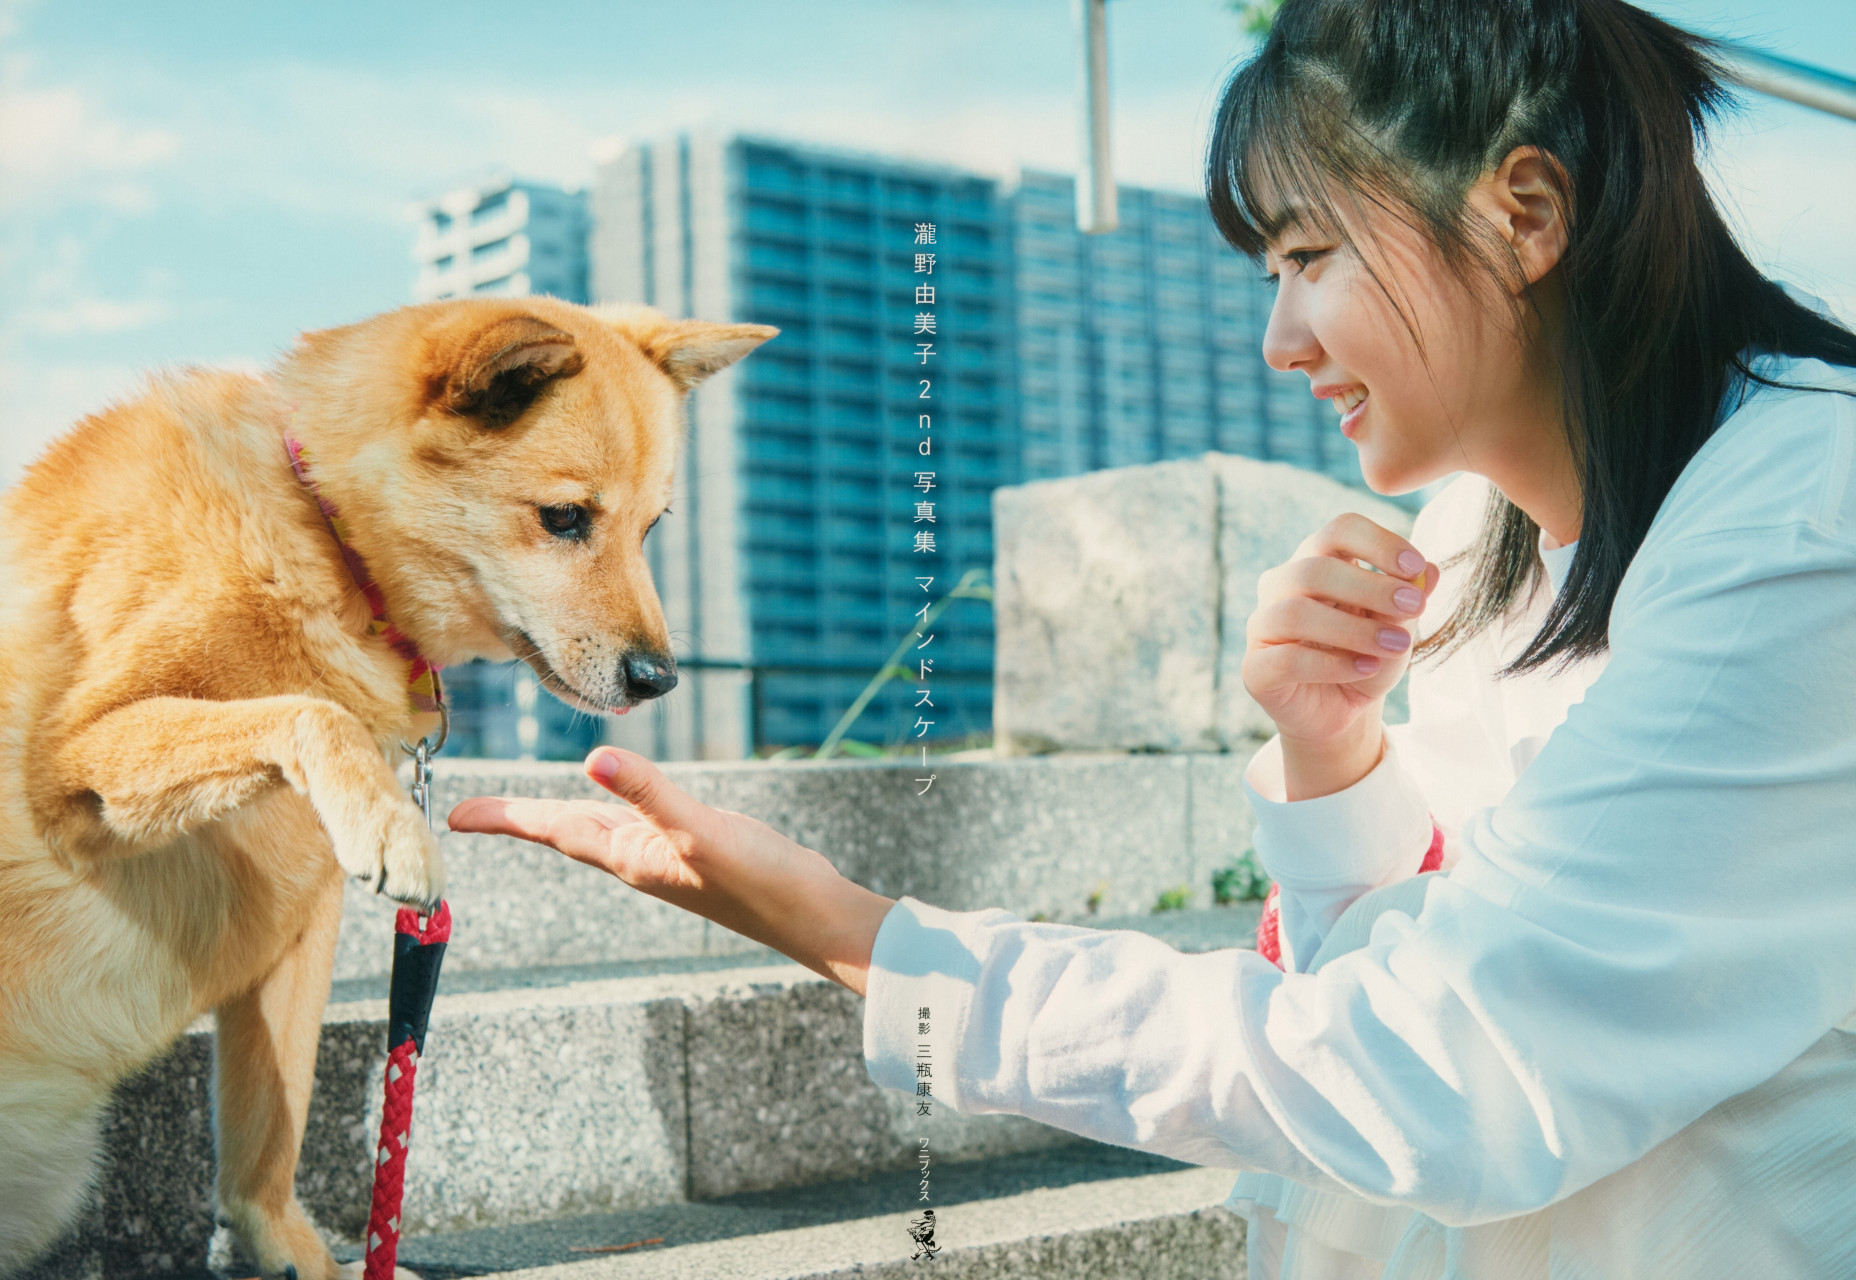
{"x": 551, "y": 1092}
{"x": 1034, "y": 835}
{"x": 1079, "y": 1210}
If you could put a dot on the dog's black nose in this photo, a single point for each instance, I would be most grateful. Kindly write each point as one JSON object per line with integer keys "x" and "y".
{"x": 649, "y": 676}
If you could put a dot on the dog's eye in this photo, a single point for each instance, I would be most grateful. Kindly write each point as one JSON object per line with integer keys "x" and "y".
{"x": 567, "y": 521}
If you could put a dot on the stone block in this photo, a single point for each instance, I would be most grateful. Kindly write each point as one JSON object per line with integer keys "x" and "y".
{"x": 1105, "y": 609}
{"x": 1122, "y": 599}
{"x": 1028, "y": 835}
{"x": 534, "y": 1104}
{"x": 1168, "y": 1225}
{"x": 151, "y": 1207}
{"x": 530, "y": 1104}
{"x": 778, "y": 1096}
{"x": 516, "y": 904}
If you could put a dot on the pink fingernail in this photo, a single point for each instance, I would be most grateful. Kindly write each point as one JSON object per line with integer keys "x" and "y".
{"x": 1366, "y": 664}
{"x": 1410, "y": 561}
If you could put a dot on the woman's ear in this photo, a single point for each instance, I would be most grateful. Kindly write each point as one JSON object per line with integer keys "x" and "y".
{"x": 1523, "y": 198}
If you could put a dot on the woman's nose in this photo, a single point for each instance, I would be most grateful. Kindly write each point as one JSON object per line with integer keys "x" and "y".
{"x": 1288, "y": 342}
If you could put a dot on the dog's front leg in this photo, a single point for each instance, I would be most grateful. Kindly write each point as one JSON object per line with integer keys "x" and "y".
{"x": 264, "y": 1061}
{"x": 154, "y": 770}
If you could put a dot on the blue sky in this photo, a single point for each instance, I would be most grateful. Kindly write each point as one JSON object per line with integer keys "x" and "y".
{"x": 196, "y": 182}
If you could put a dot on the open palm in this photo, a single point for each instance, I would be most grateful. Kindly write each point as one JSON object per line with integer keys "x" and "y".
{"x": 719, "y": 864}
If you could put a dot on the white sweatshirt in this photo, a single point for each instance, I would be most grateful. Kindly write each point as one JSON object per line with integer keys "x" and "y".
{"x": 1604, "y": 1040}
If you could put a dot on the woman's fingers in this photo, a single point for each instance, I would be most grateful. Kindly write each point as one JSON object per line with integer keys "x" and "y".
{"x": 1349, "y": 587}
{"x": 641, "y": 784}
{"x": 655, "y": 841}
{"x": 1302, "y": 620}
{"x": 722, "y": 865}
{"x": 1352, "y": 536}
{"x": 1284, "y": 666}
{"x": 578, "y": 828}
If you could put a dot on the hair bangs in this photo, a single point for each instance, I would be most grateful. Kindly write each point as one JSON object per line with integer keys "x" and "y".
{"x": 1286, "y": 147}
{"x": 1263, "y": 171}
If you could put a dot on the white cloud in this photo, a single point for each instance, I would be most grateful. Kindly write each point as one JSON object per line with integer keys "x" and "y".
{"x": 9, "y": 16}
{"x": 321, "y": 140}
{"x": 53, "y": 311}
{"x": 58, "y": 144}
{"x": 96, "y": 315}
{"x": 52, "y": 295}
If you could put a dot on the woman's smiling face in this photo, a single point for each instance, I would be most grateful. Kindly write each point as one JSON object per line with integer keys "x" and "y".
{"x": 1415, "y": 415}
{"x": 1471, "y": 391}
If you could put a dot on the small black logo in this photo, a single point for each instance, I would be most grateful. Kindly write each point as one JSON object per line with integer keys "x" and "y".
{"x": 921, "y": 1231}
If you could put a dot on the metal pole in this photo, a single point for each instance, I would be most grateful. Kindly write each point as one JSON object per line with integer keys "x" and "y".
{"x": 1095, "y": 186}
{"x": 1797, "y": 82}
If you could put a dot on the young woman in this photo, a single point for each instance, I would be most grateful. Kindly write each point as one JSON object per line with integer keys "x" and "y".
{"x": 1613, "y": 1035}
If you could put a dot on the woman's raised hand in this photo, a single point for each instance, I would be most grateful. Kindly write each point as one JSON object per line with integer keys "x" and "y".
{"x": 1329, "y": 639}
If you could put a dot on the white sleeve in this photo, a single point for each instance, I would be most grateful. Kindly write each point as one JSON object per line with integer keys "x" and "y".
{"x": 1660, "y": 915}
{"x": 1325, "y": 852}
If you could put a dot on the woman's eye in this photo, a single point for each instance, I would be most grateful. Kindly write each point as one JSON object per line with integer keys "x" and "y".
{"x": 567, "y": 521}
{"x": 1300, "y": 256}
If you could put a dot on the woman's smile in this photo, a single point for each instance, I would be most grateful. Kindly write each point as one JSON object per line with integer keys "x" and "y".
{"x": 1349, "y": 402}
{"x": 1351, "y": 407}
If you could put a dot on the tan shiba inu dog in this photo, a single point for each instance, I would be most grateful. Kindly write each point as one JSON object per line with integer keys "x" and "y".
{"x": 199, "y": 719}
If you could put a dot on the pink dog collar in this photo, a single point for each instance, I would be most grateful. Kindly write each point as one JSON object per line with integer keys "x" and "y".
{"x": 423, "y": 688}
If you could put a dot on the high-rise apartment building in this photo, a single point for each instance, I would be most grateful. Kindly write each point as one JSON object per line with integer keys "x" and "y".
{"x": 787, "y": 570}
{"x": 1144, "y": 343}
{"x": 502, "y": 238}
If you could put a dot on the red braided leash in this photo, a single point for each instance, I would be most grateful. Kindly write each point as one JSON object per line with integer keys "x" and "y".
{"x": 418, "y": 950}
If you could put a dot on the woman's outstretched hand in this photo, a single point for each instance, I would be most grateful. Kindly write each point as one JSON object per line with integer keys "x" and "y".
{"x": 719, "y": 864}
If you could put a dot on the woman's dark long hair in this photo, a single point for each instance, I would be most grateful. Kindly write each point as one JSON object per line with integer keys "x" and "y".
{"x": 1402, "y": 105}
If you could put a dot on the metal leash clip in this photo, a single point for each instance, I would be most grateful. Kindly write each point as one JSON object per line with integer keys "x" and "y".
{"x": 422, "y": 778}
{"x": 423, "y": 752}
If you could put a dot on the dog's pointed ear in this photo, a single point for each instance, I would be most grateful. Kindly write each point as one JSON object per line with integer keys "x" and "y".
{"x": 686, "y": 350}
{"x": 494, "y": 373}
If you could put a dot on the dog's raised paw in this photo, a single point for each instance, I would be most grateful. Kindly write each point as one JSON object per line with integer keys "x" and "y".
{"x": 412, "y": 870}
{"x": 386, "y": 846}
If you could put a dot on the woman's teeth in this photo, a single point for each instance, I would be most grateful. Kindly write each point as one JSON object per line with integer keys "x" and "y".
{"x": 1347, "y": 401}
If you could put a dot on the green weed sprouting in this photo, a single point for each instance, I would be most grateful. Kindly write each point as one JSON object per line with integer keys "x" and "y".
{"x": 1242, "y": 881}
{"x": 1178, "y": 898}
{"x": 973, "y": 585}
